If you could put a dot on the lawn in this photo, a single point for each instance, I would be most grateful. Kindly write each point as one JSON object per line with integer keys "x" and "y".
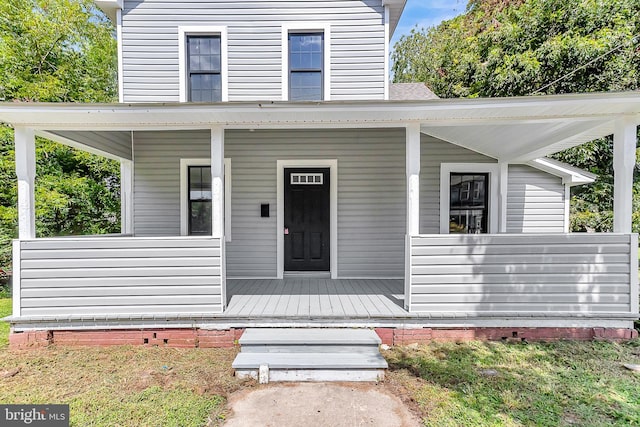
{"x": 446, "y": 384}
{"x": 513, "y": 384}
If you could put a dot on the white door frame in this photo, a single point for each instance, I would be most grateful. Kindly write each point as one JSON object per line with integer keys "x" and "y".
{"x": 332, "y": 164}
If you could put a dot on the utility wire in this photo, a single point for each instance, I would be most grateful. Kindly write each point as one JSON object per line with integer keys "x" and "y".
{"x": 633, "y": 40}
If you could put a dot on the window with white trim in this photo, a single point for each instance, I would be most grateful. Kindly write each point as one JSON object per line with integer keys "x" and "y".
{"x": 196, "y": 197}
{"x": 469, "y": 197}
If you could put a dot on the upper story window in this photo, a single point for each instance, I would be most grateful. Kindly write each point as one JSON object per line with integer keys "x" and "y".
{"x": 306, "y": 66}
{"x": 204, "y": 68}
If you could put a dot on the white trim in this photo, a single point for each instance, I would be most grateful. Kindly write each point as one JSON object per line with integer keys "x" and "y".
{"x": 214, "y": 30}
{"x": 624, "y": 161}
{"x": 16, "y": 294}
{"x": 387, "y": 40}
{"x": 567, "y": 207}
{"x": 120, "y": 53}
{"x": 217, "y": 182}
{"x": 288, "y": 27}
{"x": 493, "y": 169}
{"x": 25, "y": 161}
{"x": 184, "y": 192}
{"x": 126, "y": 196}
{"x": 408, "y": 240}
{"x": 503, "y": 197}
{"x": 412, "y": 169}
{"x": 569, "y": 174}
{"x": 332, "y": 164}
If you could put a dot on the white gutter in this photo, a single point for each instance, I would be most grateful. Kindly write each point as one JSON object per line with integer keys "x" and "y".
{"x": 570, "y": 175}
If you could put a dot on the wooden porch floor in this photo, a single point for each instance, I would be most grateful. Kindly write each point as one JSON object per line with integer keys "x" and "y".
{"x": 315, "y": 298}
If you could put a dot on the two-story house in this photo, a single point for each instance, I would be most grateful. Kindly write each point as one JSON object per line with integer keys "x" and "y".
{"x": 271, "y": 175}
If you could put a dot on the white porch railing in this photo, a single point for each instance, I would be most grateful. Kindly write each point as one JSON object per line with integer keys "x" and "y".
{"x": 502, "y": 275}
{"x": 117, "y": 276}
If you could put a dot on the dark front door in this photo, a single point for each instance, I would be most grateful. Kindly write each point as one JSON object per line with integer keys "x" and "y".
{"x": 306, "y": 219}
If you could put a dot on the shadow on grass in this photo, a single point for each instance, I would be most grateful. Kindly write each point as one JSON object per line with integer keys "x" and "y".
{"x": 486, "y": 384}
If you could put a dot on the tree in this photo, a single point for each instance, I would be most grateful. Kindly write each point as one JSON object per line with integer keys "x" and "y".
{"x": 58, "y": 51}
{"x": 525, "y": 47}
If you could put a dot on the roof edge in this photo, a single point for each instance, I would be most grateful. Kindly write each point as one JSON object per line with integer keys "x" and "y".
{"x": 110, "y": 7}
{"x": 570, "y": 175}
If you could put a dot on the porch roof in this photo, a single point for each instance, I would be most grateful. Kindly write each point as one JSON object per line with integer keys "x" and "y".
{"x": 517, "y": 129}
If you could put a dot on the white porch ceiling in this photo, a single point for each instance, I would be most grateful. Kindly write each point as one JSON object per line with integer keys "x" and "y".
{"x": 509, "y": 129}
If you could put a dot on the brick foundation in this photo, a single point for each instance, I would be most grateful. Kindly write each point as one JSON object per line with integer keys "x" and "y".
{"x": 392, "y": 336}
{"x": 203, "y": 338}
{"x": 175, "y": 338}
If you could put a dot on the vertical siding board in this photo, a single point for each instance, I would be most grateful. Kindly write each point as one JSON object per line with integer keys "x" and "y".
{"x": 150, "y": 45}
{"x": 103, "y": 285}
{"x": 566, "y": 274}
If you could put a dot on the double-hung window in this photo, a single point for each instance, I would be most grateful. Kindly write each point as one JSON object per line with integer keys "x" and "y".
{"x": 199, "y": 203}
{"x": 306, "y": 66}
{"x": 204, "y": 68}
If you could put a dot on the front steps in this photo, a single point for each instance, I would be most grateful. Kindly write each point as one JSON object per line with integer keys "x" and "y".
{"x": 299, "y": 354}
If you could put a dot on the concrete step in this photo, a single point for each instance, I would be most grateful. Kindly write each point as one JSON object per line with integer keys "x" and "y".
{"x": 310, "y": 354}
{"x": 309, "y": 336}
{"x": 309, "y": 361}
{"x": 314, "y": 348}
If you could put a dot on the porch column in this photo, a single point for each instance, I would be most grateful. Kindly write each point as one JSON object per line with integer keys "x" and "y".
{"x": 126, "y": 196}
{"x": 502, "y": 198}
{"x": 624, "y": 160}
{"x": 413, "y": 178}
{"x": 25, "y": 152}
{"x": 217, "y": 181}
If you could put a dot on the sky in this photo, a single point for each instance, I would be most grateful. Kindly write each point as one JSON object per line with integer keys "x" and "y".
{"x": 426, "y": 13}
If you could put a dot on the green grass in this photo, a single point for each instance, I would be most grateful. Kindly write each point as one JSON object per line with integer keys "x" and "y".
{"x": 559, "y": 384}
{"x": 124, "y": 386}
{"x": 5, "y": 310}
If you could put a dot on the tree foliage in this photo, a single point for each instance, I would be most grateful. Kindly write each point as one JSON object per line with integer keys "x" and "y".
{"x": 521, "y": 47}
{"x": 58, "y": 51}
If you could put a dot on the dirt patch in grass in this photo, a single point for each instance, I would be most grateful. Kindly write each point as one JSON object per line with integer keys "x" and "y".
{"x": 488, "y": 384}
{"x": 126, "y": 386}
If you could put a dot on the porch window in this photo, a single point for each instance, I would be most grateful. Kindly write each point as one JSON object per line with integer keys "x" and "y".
{"x": 204, "y": 68}
{"x": 200, "y": 200}
{"x": 306, "y": 59}
{"x": 468, "y": 203}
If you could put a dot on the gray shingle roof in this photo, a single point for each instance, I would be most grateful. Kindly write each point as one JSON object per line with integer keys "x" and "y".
{"x": 410, "y": 92}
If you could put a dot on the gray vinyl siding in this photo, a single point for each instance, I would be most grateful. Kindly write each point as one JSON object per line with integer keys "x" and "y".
{"x": 371, "y": 197}
{"x": 117, "y": 143}
{"x": 371, "y": 192}
{"x": 157, "y": 177}
{"x": 433, "y": 152}
{"x": 120, "y": 276}
{"x": 150, "y": 45}
{"x": 535, "y": 201}
{"x": 555, "y": 274}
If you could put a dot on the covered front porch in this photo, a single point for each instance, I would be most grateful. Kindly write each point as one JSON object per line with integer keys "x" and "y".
{"x": 392, "y": 259}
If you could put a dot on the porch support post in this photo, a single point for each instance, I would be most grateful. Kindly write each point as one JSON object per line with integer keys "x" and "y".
{"x": 413, "y": 178}
{"x": 217, "y": 181}
{"x": 624, "y": 160}
{"x": 126, "y": 196}
{"x": 502, "y": 199}
{"x": 25, "y": 153}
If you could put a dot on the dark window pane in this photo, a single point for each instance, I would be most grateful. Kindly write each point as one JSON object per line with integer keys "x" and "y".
{"x": 200, "y": 217}
{"x": 306, "y": 86}
{"x": 205, "y": 87}
{"x": 468, "y": 203}
{"x": 204, "y": 68}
